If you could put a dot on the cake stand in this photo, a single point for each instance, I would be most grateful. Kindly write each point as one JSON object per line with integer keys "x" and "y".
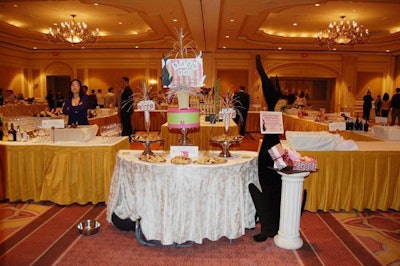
{"x": 184, "y": 141}
{"x": 146, "y": 143}
{"x": 225, "y": 142}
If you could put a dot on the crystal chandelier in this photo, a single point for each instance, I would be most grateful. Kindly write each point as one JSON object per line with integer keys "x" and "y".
{"x": 343, "y": 32}
{"x": 72, "y": 33}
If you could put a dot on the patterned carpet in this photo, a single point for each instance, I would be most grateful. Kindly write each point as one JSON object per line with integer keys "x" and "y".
{"x": 46, "y": 234}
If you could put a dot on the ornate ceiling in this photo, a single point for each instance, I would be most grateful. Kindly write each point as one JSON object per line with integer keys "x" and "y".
{"x": 214, "y": 25}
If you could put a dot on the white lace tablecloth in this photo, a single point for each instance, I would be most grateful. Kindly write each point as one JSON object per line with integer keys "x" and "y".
{"x": 179, "y": 203}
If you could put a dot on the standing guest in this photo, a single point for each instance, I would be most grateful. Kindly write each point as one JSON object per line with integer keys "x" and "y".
{"x": 50, "y": 100}
{"x": 100, "y": 98}
{"x": 126, "y": 107}
{"x": 267, "y": 201}
{"x": 385, "y": 107}
{"x": 367, "y": 105}
{"x": 395, "y": 104}
{"x": 10, "y": 97}
{"x": 59, "y": 100}
{"x": 110, "y": 99}
{"x": 291, "y": 98}
{"x": 92, "y": 100}
{"x": 378, "y": 105}
{"x": 76, "y": 104}
{"x": 301, "y": 101}
{"x": 1, "y": 97}
{"x": 241, "y": 102}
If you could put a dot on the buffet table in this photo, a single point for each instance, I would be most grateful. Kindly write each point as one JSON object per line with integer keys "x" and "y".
{"x": 200, "y": 136}
{"x": 294, "y": 123}
{"x": 179, "y": 203}
{"x": 61, "y": 172}
{"x": 355, "y": 180}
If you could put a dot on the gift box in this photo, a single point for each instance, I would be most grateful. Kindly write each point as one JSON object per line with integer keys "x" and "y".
{"x": 306, "y": 164}
{"x": 279, "y": 164}
{"x": 276, "y": 151}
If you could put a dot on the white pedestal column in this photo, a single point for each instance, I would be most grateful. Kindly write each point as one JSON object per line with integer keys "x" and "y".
{"x": 288, "y": 236}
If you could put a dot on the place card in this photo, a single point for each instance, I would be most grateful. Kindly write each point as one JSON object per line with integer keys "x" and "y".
{"x": 337, "y": 126}
{"x": 186, "y": 151}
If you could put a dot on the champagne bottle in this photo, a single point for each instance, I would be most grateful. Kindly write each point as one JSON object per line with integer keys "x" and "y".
{"x": 12, "y": 133}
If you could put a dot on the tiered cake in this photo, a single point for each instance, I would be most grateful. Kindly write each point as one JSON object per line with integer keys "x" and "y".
{"x": 183, "y": 118}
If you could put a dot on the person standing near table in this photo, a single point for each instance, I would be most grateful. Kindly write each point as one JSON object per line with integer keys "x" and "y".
{"x": 76, "y": 104}
{"x": 110, "y": 100}
{"x": 367, "y": 105}
{"x": 50, "y": 100}
{"x": 267, "y": 201}
{"x": 100, "y": 98}
{"x": 242, "y": 104}
{"x": 385, "y": 106}
{"x": 378, "y": 105}
{"x": 395, "y": 104}
{"x": 125, "y": 107}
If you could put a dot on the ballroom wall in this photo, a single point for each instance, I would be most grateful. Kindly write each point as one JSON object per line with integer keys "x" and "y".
{"x": 25, "y": 71}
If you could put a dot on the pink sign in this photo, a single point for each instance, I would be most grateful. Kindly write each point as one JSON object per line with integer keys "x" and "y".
{"x": 185, "y": 72}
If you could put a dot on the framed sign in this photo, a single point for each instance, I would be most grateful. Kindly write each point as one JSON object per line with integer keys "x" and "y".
{"x": 271, "y": 122}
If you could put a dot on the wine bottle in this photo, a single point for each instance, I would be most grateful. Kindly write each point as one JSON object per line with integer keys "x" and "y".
{"x": 12, "y": 133}
{"x": 366, "y": 126}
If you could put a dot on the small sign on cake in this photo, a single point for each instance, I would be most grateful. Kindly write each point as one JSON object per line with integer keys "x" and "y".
{"x": 271, "y": 122}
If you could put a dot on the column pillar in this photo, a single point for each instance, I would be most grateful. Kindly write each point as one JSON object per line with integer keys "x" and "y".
{"x": 288, "y": 236}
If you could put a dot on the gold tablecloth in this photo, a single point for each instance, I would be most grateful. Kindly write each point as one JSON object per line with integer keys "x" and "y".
{"x": 200, "y": 136}
{"x": 354, "y": 180}
{"x": 61, "y": 172}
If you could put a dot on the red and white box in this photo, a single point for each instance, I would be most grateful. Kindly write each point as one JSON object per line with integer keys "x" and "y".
{"x": 306, "y": 164}
{"x": 276, "y": 151}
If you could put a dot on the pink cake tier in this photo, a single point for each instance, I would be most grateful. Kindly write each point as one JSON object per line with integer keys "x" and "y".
{"x": 183, "y": 118}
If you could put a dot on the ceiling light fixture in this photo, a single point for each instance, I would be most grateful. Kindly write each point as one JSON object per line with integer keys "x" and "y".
{"x": 72, "y": 33}
{"x": 343, "y": 32}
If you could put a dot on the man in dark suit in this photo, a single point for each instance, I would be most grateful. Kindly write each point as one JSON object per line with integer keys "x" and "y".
{"x": 125, "y": 107}
{"x": 242, "y": 104}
